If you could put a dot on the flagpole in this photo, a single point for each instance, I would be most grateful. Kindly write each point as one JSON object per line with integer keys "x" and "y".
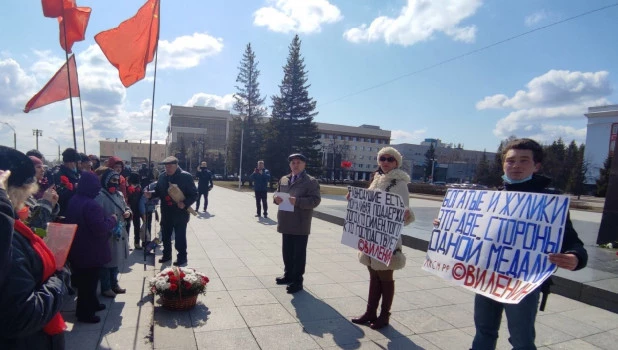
{"x": 154, "y": 88}
{"x": 82, "y": 115}
{"x": 66, "y": 54}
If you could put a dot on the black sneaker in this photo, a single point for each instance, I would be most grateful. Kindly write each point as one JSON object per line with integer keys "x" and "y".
{"x": 282, "y": 280}
{"x": 165, "y": 259}
{"x": 180, "y": 263}
{"x": 257, "y": 215}
{"x": 294, "y": 287}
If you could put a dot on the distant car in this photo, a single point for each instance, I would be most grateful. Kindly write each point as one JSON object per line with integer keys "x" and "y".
{"x": 232, "y": 177}
{"x": 439, "y": 183}
{"x": 217, "y": 177}
{"x": 348, "y": 181}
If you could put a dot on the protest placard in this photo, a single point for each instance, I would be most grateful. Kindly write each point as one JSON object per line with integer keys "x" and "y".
{"x": 497, "y": 243}
{"x": 373, "y": 222}
{"x": 59, "y": 240}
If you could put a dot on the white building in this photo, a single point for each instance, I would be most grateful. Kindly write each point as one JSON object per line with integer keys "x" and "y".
{"x": 601, "y": 134}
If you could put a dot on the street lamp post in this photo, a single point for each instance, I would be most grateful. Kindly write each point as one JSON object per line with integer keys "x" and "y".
{"x": 14, "y": 134}
{"x": 242, "y": 137}
{"x": 433, "y": 165}
{"x": 36, "y": 133}
{"x": 58, "y": 147}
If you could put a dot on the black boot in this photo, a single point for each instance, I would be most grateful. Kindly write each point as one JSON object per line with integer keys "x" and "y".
{"x": 370, "y": 315}
{"x": 388, "y": 292}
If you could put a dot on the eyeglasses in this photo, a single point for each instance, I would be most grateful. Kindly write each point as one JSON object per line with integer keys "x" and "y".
{"x": 389, "y": 159}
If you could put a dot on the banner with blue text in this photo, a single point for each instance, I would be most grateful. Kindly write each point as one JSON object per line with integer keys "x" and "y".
{"x": 373, "y": 222}
{"x": 497, "y": 243}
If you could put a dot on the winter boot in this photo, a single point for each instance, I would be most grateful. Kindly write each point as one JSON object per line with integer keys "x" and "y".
{"x": 388, "y": 292}
{"x": 373, "y": 300}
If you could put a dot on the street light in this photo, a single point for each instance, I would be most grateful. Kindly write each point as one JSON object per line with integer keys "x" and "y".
{"x": 14, "y": 134}
{"x": 58, "y": 147}
{"x": 242, "y": 137}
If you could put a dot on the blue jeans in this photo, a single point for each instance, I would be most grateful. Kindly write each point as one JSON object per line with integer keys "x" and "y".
{"x": 108, "y": 277}
{"x": 520, "y": 318}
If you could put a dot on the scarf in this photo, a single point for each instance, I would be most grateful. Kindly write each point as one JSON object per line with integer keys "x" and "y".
{"x": 56, "y": 325}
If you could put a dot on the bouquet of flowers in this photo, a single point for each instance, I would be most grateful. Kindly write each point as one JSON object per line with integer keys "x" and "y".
{"x": 178, "y": 282}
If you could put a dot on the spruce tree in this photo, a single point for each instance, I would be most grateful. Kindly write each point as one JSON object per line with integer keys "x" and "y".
{"x": 577, "y": 176}
{"x": 430, "y": 158}
{"x": 603, "y": 180}
{"x": 482, "y": 171}
{"x": 291, "y": 128}
{"x": 250, "y": 104}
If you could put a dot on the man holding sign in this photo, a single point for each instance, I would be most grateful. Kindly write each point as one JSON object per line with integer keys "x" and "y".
{"x": 503, "y": 245}
{"x": 373, "y": 222}
{"x": 300, "y": 192}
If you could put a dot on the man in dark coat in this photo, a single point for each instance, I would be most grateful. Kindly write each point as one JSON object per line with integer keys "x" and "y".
{"x": 521, "y": 159}
{"x": 174, "y": 216}
{"x": 66, "y": 179}
{"x": 204, "y": 185}
{"x": 295, "y": 226}
{"x": 261, "y": 179}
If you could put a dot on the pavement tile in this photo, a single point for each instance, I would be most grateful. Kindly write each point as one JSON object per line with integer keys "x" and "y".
{"x": 449, "y": 339}
{"x": 217, "y": 318}
{"x": 421, "y": 321}
{"x": 595, "y": 317}
{"x": 331, "y": 332}
{"x": 229, "y": 339}
{"x": 129, "y": 339}
{"x": 606, "y": 340}
{"x": 216, "y": 299}
{"x": 413, "y": 342}
{"x": 332, "y": 290}
{"x": 85, "y": 340}
{"x": 239, "y": 283}
{"x": 284, "y": 337}
{"x": 265, "y": 315}
{"x": 576, "y": 344}
{"x": 252, "y": 297}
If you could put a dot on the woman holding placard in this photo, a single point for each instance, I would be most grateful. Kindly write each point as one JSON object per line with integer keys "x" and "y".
{"x": 31, "y": 290}
{"x": 388, "y": 178}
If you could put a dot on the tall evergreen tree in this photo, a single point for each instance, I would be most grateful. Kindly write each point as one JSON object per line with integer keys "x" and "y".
{"x": 482, "y": 171}
{"x": 291, "y": 128}
{"x": 577, "y": 177}
{"x": 430, "y": 158}
{"x": 249, "y": 104}
{"x": 603, "y": 180}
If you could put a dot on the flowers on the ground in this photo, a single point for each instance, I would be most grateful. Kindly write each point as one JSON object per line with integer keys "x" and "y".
{"x": 175, "y": 282}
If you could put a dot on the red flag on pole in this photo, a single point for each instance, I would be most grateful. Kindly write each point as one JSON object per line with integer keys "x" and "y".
{"x": 57, "y": 89}
{"x": 132, "y": 45}
{"x": 53, "y": 8}
{"x": 76, "y": 24}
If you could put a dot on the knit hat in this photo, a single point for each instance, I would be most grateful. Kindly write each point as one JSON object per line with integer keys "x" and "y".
{"x": 84, "y": 157}
{"x": 21, "y": 167}
{"x": 70, "y": 155}
{"x": 113, "y": 160}
{"x": 393, "y": 152}
{"x": 36, "y": 161}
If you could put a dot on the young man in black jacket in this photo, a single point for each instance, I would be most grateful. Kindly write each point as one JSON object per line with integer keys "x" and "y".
{"x": 174, "y": 216}
{"x": 204, "y": 177}
{"x": 521, "y": 159}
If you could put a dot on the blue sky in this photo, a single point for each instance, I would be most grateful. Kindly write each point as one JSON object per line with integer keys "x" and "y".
{"x": 538, "y": 85}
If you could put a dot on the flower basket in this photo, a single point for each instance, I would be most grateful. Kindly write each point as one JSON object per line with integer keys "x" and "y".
{"x": 179, "y": 304}
{"x": 178, "y": 287}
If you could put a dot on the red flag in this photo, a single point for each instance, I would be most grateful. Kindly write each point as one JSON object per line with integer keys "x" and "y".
{"x": 76, "y": 24}
{"x": 53, "y": 8}
{"x": 57, "y": 89}
{"x": 131, "y": 46}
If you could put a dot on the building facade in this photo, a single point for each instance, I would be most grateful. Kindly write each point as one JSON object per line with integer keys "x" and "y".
{"x": 134, "y": 152}
{"x": 451, "y": 164}
{"x": 196, "y": 124}
{"x": 601, "y": 133}
{"x": 358, "y": 145}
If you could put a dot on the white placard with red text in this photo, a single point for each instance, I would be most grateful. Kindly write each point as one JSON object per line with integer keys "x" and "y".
{"x": 373, "y": 222}
{"x": 497, "y": 243}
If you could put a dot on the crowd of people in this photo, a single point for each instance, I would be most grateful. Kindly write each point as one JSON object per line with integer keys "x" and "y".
{"x": 105, "y": 199}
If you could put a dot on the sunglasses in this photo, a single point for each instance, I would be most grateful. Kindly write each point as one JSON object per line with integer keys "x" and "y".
{"x": 389, "y": 159}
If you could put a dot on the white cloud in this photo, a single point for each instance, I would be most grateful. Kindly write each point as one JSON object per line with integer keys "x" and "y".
{"x": 535, "y": 18}
{"x": 401, "y": 136}
{"x": 16, "y": 86}
{"x": 548, "y": 102}
{"x": 219, "y": 102}
{"x": 187, "y": 51}
{"x": 303, "y": 16}
{"x": 419, "y": 21}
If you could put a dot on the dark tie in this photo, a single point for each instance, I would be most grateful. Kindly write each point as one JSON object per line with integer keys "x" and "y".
{"x": 294, "y": 177}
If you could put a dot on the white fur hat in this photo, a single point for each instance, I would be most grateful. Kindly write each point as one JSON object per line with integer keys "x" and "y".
{"x": 393, "y": 152}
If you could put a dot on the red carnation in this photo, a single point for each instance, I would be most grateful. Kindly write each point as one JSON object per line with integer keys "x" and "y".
{"x": 187, "y": 285}
{"x": 205, "y": 280}
{"x": 173, "y": 279}
{"x": 65, "y": 181}
{"x": 173, "y": 287}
